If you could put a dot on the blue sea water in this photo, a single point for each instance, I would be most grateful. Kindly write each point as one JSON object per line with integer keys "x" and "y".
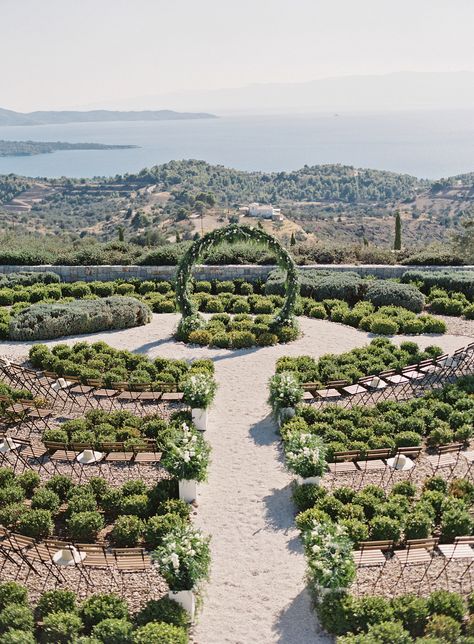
{"x": 428, "y": 144}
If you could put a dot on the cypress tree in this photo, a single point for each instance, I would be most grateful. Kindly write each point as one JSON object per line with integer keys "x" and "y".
{"x": 398, "y": 232}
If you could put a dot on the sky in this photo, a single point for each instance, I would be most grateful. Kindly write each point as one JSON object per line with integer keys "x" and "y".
{"x": 58, "y": 54}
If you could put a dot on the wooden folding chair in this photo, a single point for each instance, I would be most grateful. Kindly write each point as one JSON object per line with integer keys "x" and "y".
{"x": 129, "y": 561}
{"x": 374, "y": 462}
{"x": 372, "y": 554}
{"x": 418, "y": 552}
{"x": 461, "y": 549}
{"x": 447, "y": 456}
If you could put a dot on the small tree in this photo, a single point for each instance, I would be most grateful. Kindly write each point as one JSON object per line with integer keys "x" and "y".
{"x": 120, "y": 233}
{"x": 398, "y": 232}
{"x": 292, "y": 239}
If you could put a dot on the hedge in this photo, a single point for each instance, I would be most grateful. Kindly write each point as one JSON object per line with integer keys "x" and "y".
{"x": 461, "y": 281}
{"x": 386, "y": 293}
{"x": 48, "y": 321}
{"x": 28, "y": 278}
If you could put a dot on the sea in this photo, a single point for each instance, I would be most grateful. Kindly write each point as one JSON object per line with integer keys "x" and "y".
{"x": 427, "y": 144}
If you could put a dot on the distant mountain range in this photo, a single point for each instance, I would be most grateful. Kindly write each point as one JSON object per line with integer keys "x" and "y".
{"x": 396, "y": 91}
{"x": 9, "y": 117}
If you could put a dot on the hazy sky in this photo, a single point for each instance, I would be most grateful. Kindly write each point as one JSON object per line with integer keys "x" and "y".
{"x": 70, "y": 53}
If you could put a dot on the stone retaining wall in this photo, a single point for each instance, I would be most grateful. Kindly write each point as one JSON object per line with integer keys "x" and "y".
{"x": 248, "y": 271}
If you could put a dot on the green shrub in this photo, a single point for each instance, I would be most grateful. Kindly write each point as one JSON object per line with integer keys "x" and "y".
{"x": 127, "y": 531}
{"x": 17, "y": 616}
{"x": 412, "y": 612}
{"x": 242, "y": 339}
{"x": 53, "y": 601}
{"x": 287, "y": 333}
{"x": 45, "y": 499}
{"x": 418, "y": 526}
{"x": 446, "y": 306}
{"x": 102, "y": 606}
{"x": 337, "y": 612}
{"x": 317, "y": 311}
{"x": 267, "y": 339}
{"x": 444, "y": 628}
{"x": 200, "y": 337}
{"x": 113, "y": 631}
{"x": 29, "y": 481}
{"x": 61, "y": 484}
{"x": 387, "y": 293}
{"x": 61, "y": 627}
{"x": 443, "y": 602}
{"x": 383, "y": 325}
{"x": 385, "y": 528}
{"x": 12, "y": 593}
{"x": 158, "y": 526}
{"x": 163, "y": 610}
{"x": 37, "y": 524}
{"x": 85, "y": 526}
{"x": 157, "y": 633}
{"x": 47, "y": 321}
{"x": 456, "y": 523}
{"x": 225, "y": 287}
{"x": 372, "y": 609}
{"x": 15, "y": 636}
{"x": 305, "y": 496}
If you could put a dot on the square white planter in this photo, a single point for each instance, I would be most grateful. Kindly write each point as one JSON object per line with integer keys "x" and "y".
{"x": 186, "y": 599}
{"x": 188, "y": 490}
{"x": 309, "y": 480}
{"x": 199, "y": 417}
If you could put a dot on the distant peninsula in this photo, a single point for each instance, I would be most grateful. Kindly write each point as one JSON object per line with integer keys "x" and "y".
{"x": 9, "y": 117}
{"x": 29, "y": 148}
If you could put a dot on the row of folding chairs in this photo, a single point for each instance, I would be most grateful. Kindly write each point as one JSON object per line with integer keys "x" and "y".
{"x": 57, "y": 556}
{"x": 410, "y": 381}
{"x": 355, "y": 464}
{"x": 417, "y": 552}
{"x": 49, "y": 456}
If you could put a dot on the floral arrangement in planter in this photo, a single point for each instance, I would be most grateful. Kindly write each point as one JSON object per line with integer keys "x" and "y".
{"x": 199, "y": 390}
{"x": 329, "y": 557}
{"x": 305, "y": 455}
{"x": 187, "y": 454}
{"x": 183, "y": 558}
{"x": 285, "y": 391}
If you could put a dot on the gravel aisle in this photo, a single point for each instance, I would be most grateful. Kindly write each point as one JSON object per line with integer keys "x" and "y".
{"x": 257, "y": 592}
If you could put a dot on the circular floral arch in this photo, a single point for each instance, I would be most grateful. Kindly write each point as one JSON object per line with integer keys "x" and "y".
{"x": 232, "y": 233}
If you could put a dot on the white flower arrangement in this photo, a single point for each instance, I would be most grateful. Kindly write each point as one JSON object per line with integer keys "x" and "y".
{"x": 305, "y": 454}
{"x": 187, "y": 454}
{"x": 285, "y": 391}
{"x": 183, "y": 557}
{"x": 199, "y": 390}
{"x": 329, "y": 556}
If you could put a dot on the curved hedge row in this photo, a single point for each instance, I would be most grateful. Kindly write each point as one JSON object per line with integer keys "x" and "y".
{"x": 48, "y": 321}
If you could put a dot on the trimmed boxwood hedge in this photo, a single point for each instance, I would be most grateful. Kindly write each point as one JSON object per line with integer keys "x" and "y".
{"x": 59, "y": 616}
{"x": 381, "y": 354}
{"x": 47, "y": 321}
{"x": 101, "y": 361}
{"x": 440, "y": 417}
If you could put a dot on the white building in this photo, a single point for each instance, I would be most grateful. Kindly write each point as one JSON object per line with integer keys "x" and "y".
{"x": 262, "y": 211}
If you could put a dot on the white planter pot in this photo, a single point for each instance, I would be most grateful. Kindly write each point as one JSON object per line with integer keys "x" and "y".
{"x": 188, "y": 490}
{"x": 186, "y": 599}
{"x": 199, "y": 417}
{"x": 309, "y": 480}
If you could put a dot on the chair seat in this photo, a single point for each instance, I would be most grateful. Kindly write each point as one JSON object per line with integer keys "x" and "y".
{"x": 63, "y": 455}
{"x": 369, "y": 558}
{"x": 469, "y": 456}
{"x": 172, "y": 396}
{"x": 150, "y": 395}
{"x": 105, "y": 393}
{"x": 119, "y": 456}
{"x": 128, "y": 395}
{"x": 456, "y": 551}
{"x": 354, "y": 389}
{"x": 414, "y": 375}
{"x": 328, "y": 393}
{"x": 396, "y": 379}
{"x": 372, "y": 465}
{"x": 307, "y": 395}
{"x": 442, "y": 460}
{"x": 417, "y": 556}
{"x": 81, "y": 389}
{"x": 340, "y": 468}
{"x": 147, "y": 457}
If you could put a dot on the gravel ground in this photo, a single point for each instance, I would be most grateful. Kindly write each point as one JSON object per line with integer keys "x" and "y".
{"x": 256, "y": 593}
{"x": 458, "y": 326}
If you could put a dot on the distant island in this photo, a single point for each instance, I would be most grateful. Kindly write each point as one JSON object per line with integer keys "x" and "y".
{"x": 9, "y": 117}
{"x": 29, "y": 148}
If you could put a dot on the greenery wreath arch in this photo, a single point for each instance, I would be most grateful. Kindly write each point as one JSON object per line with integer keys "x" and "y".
{"x": 191, "y": 320}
